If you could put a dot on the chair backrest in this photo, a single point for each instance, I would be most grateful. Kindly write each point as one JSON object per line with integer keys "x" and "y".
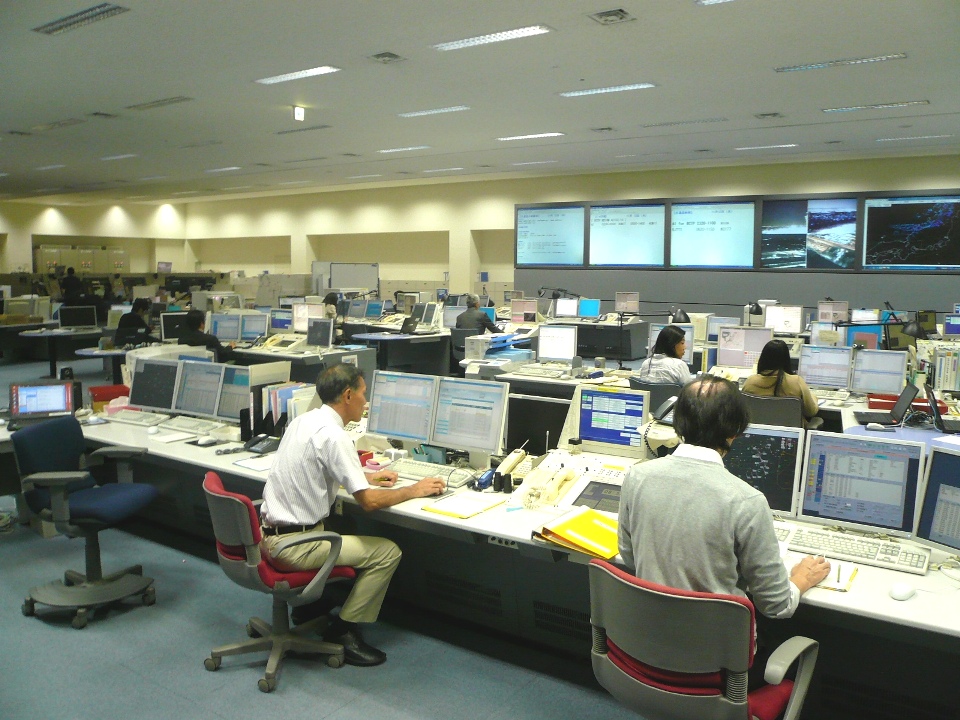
{"x": 54, "y": 445}
{"x": 771, "y": 410}
{"x": 458, "y": 336}
{"x": 670, "y": 653}
{"x": 659, "y": 392}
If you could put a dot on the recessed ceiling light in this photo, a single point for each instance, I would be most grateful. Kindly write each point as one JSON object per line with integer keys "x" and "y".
{"x": 535, "y": 162}
{"x": 362, "y": 177}
{"x": 711, "y": 2}
{"x": 229, "y": 168}
{"x": 914, "y": 137}
{"x": 626, "y": 156}
{"x": 299, "y": 113}
{"x": 309, "y": 72}
{"x": 840, "y": 63}
{"x": 611, "y": 89}
{"x": 404, "y": 149}
{"x": 49, "y": 167}
{"x": 767, "y": 147}
{"x": 531, "y": 137}
{"x": 450, "y": 169}
{"x": 880, "y": 106}
{"x": 494, "y": 37}
{"x": 438, "y": 111}
{"x": 125, "y": 156}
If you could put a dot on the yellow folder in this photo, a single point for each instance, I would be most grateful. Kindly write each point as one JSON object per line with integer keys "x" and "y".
{"x": 585, "y": 530}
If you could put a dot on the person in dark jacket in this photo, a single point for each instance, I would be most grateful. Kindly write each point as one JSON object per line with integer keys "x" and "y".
{"x": 473, "y": 318}
{"x": 133, "y": 326}
{"x": 194, "y": 336}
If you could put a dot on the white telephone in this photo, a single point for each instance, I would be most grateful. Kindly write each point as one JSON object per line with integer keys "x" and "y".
{"x": 511, "y": 461}
{"x": 395, "y": 319}
{"x": 544, "y": 486}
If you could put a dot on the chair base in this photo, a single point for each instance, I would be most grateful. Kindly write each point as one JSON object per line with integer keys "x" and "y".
{"x": 278, "y": 643}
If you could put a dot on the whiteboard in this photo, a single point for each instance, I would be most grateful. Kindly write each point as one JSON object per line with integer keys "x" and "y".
{"x": 355, "y": 275}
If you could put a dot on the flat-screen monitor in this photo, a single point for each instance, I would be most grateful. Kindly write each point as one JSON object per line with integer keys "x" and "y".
{"x": 171, "y": 325}
{"x": 741, "y": 346}
{"x": 928, "y": 320}
{"x": 303, "y": 313}
{"x": 833, "y": 311}
{"x": 865, "y": 315}
{"x": 550, "y": 235}
{"x": 287, "y": 301}
{"x": 490, "y": 312}
{"x": 815, "y": 234}
{"x": 611, "y": 419}
{"x": 407, "y": 302}
{"x": 825, "y": 367}
{"x": 557, "y": 343}
{"x": 39, "y": 399}
{"x": 280, "y": 320}
{"x": 768, "y": 458}
{"x": 715, "y": 322}
{"x": 863, "y": 483}
{"x": 688, "y": 334}
{"x": 74, "y": 316}
{"x": 911, "y": 233}
{"x": 827, "y": 334}
{"x": 470, "y": 415}
{"x": 626, "y": 302}
{"x": 509, "y": 295}
{"x": 234, "y": 393}
{"x": 785, "y": 319}
{"x": 418, "y": 310}
{"x": 565, "y": 307}
{"x": 164, "y": 266}
{"x": 226, "y": 328}
{"x": 629, "y": 235}
{"x": 320, "y": 332}
{"x": 456, "y": 300}
{"x": 402, "y": 405}
{"x": 198, "y": 388}
{"x": 865, "y": 336}
{"x": 897, "y": 339}
{"x": 939, "y": 522}
{"x": 252, "y": 326}
{"x": 430, "y": 313}
{"x": 450, "y": 315}
{"x": 951, "y": 325}
{"x": 588, "y": 308}
{"x": 441, "y": 294}
{"x": 374, "y": 309}
{"x": 153, "y": 384}
{"x": 357, "y": 309}
{"x": 523, "y": 311}
{"x": 878, "y": 371}
{"x": 712, "y": 234}
{"x": 484, "y": 300}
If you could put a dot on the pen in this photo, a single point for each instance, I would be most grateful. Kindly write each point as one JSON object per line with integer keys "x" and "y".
{"x": 838, "y": 572}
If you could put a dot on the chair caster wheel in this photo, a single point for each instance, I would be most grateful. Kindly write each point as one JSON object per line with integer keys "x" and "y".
{"x": 149, "y": 596}
{"x": 212, "y": 663}
{"x": 251, "y": 632}
{"x": 334, "y": 661}
{"x": 28, "y": 608}
{"x": 80, "y": 619}
{"x": 267, "y": 685}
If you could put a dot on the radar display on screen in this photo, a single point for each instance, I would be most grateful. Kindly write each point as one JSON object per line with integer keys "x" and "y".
{"x": 815, "y": 234}
{"x": 767, "y": 458}
{"x": 911, "y": 233}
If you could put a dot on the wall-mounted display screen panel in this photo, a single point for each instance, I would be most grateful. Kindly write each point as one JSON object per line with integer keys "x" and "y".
{"x": 712, "y": 235}
{"x": 814, "y": 234}
{"x": 627, "y": 235}
{"x": 911, "y": 233}
{"x": 550, "y": 235}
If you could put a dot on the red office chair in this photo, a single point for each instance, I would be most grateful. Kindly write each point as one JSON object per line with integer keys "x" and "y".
{"x": 236, "y": 526}
{"x": 675, "y": 654}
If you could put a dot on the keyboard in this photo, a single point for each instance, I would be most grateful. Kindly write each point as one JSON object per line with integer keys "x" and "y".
{"x": 182, "y": 423}
{"x": 138, "y": 417}
{"x": 539, "y": 371}
{"x": 858, "y": 549}
{"x": 824, "y": 394}
{"x": 416, "y": 470}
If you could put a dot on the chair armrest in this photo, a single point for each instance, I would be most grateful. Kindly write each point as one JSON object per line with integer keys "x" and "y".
{"x": 55, "y": 479}
{"x": 59, "y": 503}
{"x": 324, "y": 572}
{"x": 796, "y": 648}
{"x": 118, "y": 452}
{"x": 257, "y": 503}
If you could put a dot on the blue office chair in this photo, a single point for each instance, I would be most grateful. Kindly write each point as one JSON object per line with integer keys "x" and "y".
{"x": 56, "y": 487}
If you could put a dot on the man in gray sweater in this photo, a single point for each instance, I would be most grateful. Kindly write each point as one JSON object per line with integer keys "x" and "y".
{"x": 686, "y": 522}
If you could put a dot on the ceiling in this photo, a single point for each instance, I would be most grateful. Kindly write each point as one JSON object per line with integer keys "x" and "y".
{"x": 70, "y": 131}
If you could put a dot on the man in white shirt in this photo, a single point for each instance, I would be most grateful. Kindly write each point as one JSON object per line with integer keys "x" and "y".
{"x": 315, "y": 458}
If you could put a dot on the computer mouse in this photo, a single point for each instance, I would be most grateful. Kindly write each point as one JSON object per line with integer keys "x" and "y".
{"x": 902, "y": 591}
{"x": 877, "y": 427}
{"x": 153, "y": 430}
{"x": 206, "y": 441}
{"x": 564, "y": 376}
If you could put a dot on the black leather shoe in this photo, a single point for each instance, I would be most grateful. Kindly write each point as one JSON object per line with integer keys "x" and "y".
{"x": 356, "y": 651}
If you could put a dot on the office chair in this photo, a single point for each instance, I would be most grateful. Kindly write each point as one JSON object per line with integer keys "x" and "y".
{"x": 659, "y": 392}
{"x": 236, "y": 526}
{"x": 776, "y": 410}
{"x": 56, "y": 488}
{"x": 672, "y": 654}
{"x": 458, "y": 346}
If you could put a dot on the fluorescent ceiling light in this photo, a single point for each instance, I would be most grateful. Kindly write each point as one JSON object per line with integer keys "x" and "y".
{"x": 712, "y": 2}
{"x": 438, "y": 111}
{"x": 531, "y": 137}
{"x": 362, "y": 177}
{"x": 494, "y": 37}
{"x": 405, "y": 149}
{"x": 309, "y": 72}
{"x": 223, "y": 169}
{"x": 153, "y": 177}
{"x": 80, "y": 19}
{"x": 767, "y": 147}
{"x": 118, "y": 157}
{"x": 880, "y": 106}
{"x": 915, "y": 137}
{"x": 535, "y": 162}
{"x": 839, "y": 63}
{"x": 4, "y": 174}
{"x": 299, "y": 113}
{"x": 49, "y": 167}
{"x": 238, "y": 187}
{"x": 186, "y": 192}
{"x": 452, "y": 169}
{"x": 612, "y": 89}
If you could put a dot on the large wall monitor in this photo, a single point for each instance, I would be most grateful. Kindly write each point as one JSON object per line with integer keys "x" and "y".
{"x": 234, "y": 393}
{"x": 768, "y": 458}
{"x": 198, "y": 388}
{"x": 470, "y": 415}
{"x": 627, "y": 235}
{"x": 878, "y": 371}
{"x": 153, "y": 384}
{"x": 557, "y": 343}
{"x": 712, "y": 234}
{"x": 741, "y": 346}
{"x": 939, "y": 523}
{"x": 825, "y": 367}
{"x": 815, "y": 234}
{"x": 402, "y": 405}
{"x": 610, "y": 420}
{"x": 688, "y": 334}
{"x": 911, "y": 233}
{"x": 861, "y": 483}
{"x": 550, "y": 235}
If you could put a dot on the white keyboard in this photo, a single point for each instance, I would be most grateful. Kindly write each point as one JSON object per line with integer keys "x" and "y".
{"x": 824, "y": 394}
{"x": 856, "y": 548}
{"x": 182, "y": 423}
{"x": 416, "y": 470}
{"x": 539, "y": 371}
{"x": 138, "y": 417}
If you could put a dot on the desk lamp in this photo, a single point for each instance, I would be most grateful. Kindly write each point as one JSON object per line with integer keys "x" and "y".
{"x": 753, "y": 309}
{"x": 679, "y": 316}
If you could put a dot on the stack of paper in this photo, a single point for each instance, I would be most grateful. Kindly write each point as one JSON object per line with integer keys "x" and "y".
{"x": 585, "y": 530}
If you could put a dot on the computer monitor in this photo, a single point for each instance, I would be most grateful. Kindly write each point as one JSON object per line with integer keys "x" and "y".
{"x": 470, "y": 415}
{"x": 234, "y": 393}
{"x": 38, "y": 399}
{"x": 280, "y": 320}
{"x": 865, "y": 336}
{"x": 897, "y": 339}
{"x": 865, "y": 315}
{"x": 565, "y": 307}
{"x": 320, "y": 332}
{"x": 826, "y": 334}
{"x": 768, "y": 458}
{"x": 226, "y": 328}
{"x": 610, "y": 420}
{"x": 862, "y": 483}
{"x": 171, "y": 325}
{"x": 408, "y": 301}
{"x": 928, "y": 321}
{"x": 484, "y": 300}
{"x": 456, "y": 300}
{"x": 19, "y": 306}
{"x": 626, "y": 302}
{"x": 490, "y": 313}
{"x": 588, "y": 308}
{"x": 688, "y": 332}
{"x": 951, "y": 326}
{"x": 741, "y": 346}
{"x": 418, "y": 310}
{"x": 441, "y": 294}
{"x": 113, "y": 317}
{"x": 252, "y": 326}
{"x": 357, "y": 309}
{"x": 557, "y": 343}
{"x": 287, "y": 301}
{"x": 450, "y": 315}
{"x": 153, "y": 384}
{"x": 430, "y": 313}
{"x": 303, "y": 313}
{"x": 524, "y": 311}
{"x": 785, "y": 319}
{"x": 509, "y": 295}
{"x": 74, "y": 316}
{"x": 164, "y": 266}
{"x": 878, "y": 371}
{"x": 825, "y": 367}
{"x": 833, "y": 311}
{"x": 715, "y": 322}
{"x": 198, "y": 388}
{"x": 374, "y": 309}
{"x": 402, "y": 405}
{"x": 939, "y": 522}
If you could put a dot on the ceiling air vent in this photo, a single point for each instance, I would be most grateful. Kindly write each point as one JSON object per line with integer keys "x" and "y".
{"x": 103, "y": 115}
{"x": 769, "y": 116}
{"x": 81, "y": 19}
{"x": 306, "y": 129}
{"x": 612, "y": 17}
{"x": 153, "y": 104}
{"x": 677, "y": 123}
{"x": 385, "y": 58}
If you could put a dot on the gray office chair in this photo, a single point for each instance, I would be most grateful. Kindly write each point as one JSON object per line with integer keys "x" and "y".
{"x": 659, "y": 392}
{"x": 458, "y": 346}
{"x": 783, "y": 411}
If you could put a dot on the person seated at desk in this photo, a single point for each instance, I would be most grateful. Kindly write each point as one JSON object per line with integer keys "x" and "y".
{"x": 193, "y": 335}
{"x": 686, "y": 522}
{"x": 133, "y": 326}
{"x": 775, "y": 378}
{"x": 473, "y": 318}
{"x": 330, "y": 305}
{"x": 315, "y": 458}
{"x": 71, "y": 287}
{"x": 667, "y": 365}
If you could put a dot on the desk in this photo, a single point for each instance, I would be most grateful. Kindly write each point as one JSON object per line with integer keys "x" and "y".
{"x": 305, "y": 366}
{"x": 117, "y": 358}
{"x": 425, "y": 354}
{"x": 10, "y": 341}
{"x": 52, "y": 335}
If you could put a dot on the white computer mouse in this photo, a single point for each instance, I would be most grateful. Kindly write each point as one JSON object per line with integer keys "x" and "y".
{"x": 564, "y": 376}
{"x": 902, "y": 591}
{"x": 153, "y": 430}
{"x": 206, "y": 441}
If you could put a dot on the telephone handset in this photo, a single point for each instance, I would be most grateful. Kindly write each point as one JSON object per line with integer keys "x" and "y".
{"x": 545, "y": 486}
{"x": 664, "y": 413}
{"x": 511, "y": 461}
{"x": 261, "y": 444}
